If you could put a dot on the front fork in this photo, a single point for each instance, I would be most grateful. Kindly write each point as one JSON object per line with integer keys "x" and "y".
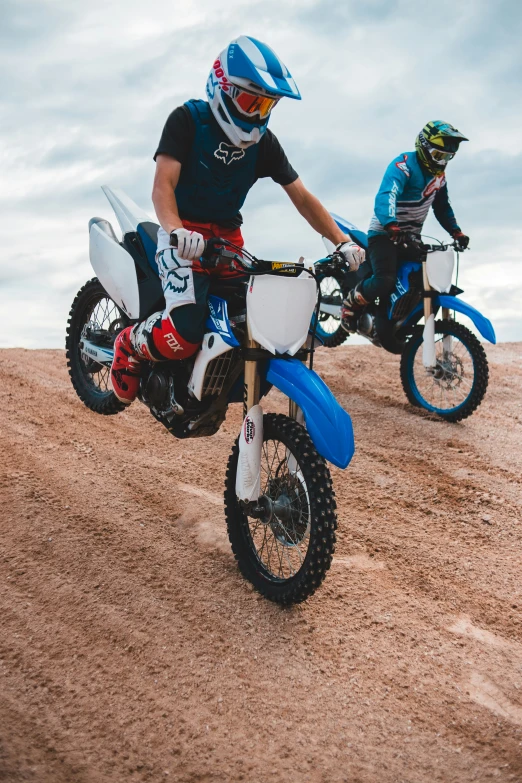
{"x": 447, "y": 340}
{"x": 429, "y": 356}
{"x": 248, "y": 475}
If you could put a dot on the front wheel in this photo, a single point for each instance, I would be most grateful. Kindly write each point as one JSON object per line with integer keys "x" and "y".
{"x": 286, "y": 553}
{"x": 328, "y": 327}
{"x": 458, "y": 383}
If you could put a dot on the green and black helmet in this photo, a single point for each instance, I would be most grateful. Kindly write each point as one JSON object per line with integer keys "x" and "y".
{"x": 436, "y": 144}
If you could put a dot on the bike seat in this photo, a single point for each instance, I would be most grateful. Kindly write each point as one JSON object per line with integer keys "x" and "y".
{"x": 148, "y": 233}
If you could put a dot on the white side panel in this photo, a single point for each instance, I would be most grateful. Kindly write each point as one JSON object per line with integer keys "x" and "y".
{"x": 213, "y": 345}
{"x": 428, "y": 346}
{"x": 115, "y": 270}
{"x": 129, "y": 214}
{"x": 279, "y": 310}
{"x": 439, "y": 267}
{"x": 248, "y": 476}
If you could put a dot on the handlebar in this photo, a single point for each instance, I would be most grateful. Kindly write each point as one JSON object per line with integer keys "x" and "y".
{"x": 222, "y": 253}
{"x": 214, "y": 252}
{"x": 413, "y": 240}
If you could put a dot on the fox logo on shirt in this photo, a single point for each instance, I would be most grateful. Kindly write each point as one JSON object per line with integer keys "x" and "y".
{"x": 228, "y": 153}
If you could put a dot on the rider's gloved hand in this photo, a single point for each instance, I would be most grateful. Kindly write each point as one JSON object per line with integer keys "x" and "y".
{"x": 400, "y": 237}
{"x": 190, "y": 244}
{"x": 353, "y": 254}
{"x": 461, "y": 239}
{"x": 394, "y": 232}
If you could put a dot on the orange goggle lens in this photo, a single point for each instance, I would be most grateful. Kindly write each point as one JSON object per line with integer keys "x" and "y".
{"x": 255, "y": 104}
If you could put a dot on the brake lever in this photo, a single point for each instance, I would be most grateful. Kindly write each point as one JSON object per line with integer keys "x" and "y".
{"x": 338, "y": 259}
{"x": 459, "y": 248}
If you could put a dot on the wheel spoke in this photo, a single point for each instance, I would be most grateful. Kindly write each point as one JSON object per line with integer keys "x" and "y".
{"x": 103, "y": 316}
{"x": 285, "y": 537}
{"x": 330, "y": 288}
{"x": 453, "y": 380}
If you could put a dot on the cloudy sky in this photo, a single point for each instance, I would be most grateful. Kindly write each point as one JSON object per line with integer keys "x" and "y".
{"x": 87, "y": 88}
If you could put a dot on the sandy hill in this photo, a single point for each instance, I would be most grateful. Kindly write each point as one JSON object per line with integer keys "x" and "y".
{"x": 131, "y": 649}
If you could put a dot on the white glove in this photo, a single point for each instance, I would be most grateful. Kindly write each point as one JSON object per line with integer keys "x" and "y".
{"x": 353, "y": 255}
{"x": 190, "y": 244}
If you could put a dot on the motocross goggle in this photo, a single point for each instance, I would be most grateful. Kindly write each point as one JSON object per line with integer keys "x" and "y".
{"x": 438, "y": 155}
{"x": 254, "y": 104}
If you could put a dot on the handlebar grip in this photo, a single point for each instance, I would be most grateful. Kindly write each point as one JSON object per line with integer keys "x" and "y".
{"x": 173, "y": 241}
{"x": 214, "y": 251}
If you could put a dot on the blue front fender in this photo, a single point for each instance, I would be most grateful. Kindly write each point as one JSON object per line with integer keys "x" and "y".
{"x": 484, "y": 326}
{"x": 328, "y": 424}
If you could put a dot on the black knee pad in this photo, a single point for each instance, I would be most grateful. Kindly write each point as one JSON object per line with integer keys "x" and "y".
{"x": 189, "y": 321}
{"x": 384, "y": 285}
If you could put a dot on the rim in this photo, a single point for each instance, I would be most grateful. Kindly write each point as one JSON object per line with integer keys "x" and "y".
{"x": 330, "y": 294}
{"x": 282, "y": 537}
{"x": 448, "y": 388}
{"x": 103, "y": 321}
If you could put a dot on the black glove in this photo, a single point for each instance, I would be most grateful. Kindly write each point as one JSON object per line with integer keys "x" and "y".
{"x": 461, "y": 239}
{"x": 402, "y": 238}
{"x": 394, "y": 232}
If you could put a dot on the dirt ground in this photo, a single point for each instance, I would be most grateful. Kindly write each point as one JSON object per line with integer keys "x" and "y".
{"x": 132, "y": 650}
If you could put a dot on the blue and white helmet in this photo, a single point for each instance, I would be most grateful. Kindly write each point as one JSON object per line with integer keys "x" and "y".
{"x": 245, "y": 83}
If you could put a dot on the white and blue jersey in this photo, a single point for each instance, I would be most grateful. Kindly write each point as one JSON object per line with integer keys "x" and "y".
{"x": 406, "y": 194}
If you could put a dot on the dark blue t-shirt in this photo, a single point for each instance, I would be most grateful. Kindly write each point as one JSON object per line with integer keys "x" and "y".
{"x": 213, "y": 195}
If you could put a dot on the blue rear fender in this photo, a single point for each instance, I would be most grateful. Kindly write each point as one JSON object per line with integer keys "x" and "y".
{"x": 328, "y": 424}
{"x": 483, "y": 324}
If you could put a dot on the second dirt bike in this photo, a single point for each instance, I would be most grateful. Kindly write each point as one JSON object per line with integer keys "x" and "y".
{"x": 444, "y": 367}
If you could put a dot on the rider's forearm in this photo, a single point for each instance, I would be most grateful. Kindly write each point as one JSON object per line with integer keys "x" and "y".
{"x": 314, "y": 213}
{"x": 166, "y": 207}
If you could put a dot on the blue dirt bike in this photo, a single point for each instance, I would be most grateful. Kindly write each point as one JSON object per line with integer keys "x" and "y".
{"x": 444, "y": 368}
{"x": 279, "y": 500}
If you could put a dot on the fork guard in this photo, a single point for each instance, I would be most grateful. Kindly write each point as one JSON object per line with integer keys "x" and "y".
{"x": 483, "y": 324}
{"x": 328, "y": 424}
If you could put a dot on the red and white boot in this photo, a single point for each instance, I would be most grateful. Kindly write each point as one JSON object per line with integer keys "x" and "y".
{"x": 153, "y": 340}
{"x": 125, "y": 370}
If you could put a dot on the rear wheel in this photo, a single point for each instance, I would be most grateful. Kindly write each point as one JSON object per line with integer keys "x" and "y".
{"x": 286, "y": 553}
{"x": 96, "y": 317}
{"x": 458, "y": 383}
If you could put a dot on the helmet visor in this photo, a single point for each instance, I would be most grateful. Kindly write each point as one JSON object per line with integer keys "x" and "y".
{"x": 255, "y": 104}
